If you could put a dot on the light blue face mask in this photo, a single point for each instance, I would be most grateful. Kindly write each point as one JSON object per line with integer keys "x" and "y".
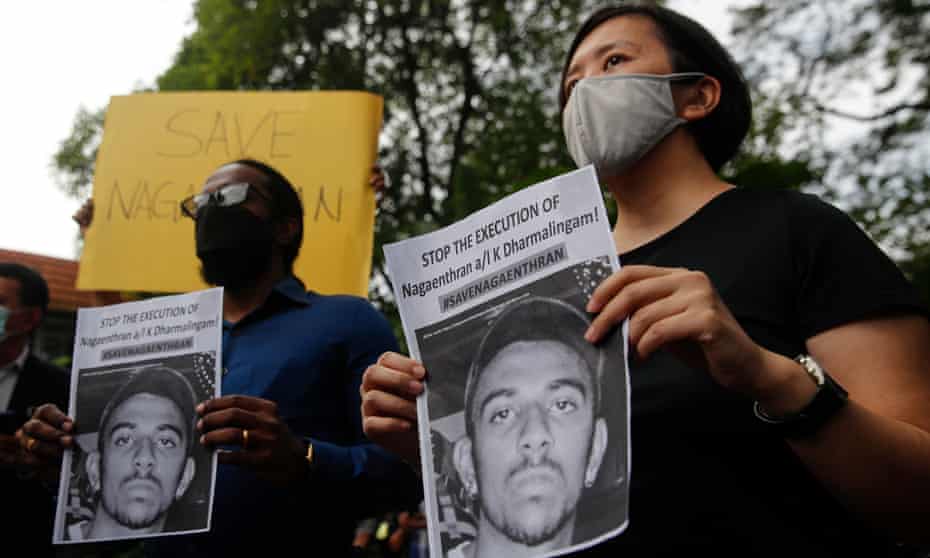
{"x": 5, "y": 314}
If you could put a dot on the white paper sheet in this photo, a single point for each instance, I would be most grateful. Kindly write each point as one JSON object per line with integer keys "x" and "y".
{"x": 139, "y": 369}
{"x": 524, "y": 426}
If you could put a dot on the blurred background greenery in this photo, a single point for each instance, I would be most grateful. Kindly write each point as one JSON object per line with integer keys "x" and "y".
{"x": 841, "y": 91}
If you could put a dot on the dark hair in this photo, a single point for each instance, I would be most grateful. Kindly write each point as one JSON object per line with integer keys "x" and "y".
{"x": 163, "y": 382}
{"x": 33, "y": 290}
{"x": 535, "y": 319}
{"x": 286, "y": 205}
{"x": 691, "y": 48}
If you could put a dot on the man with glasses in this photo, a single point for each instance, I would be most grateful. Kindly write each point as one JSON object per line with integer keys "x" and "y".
{"x": 294, "y": 463}
{"x": 245, "y": 212}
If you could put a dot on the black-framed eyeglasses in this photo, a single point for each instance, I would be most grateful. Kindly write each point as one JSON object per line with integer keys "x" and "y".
{"x": 226, "y": 196}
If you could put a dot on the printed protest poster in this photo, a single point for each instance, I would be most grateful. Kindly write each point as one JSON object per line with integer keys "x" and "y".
{"x": 524, "y": 425}
{"x": 139, "y": 371}
{"x": 159, "y": 148}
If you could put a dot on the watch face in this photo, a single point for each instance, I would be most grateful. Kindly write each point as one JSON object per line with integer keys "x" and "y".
{"x": 812, "y": 368}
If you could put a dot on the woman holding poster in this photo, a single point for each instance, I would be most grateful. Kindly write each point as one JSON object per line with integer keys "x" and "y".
{"x": 779, "y": 359}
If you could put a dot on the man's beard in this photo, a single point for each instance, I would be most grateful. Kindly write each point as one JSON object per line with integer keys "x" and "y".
{"x": 142, "y": 522}
{"x": 521, "y": 534}
{"x": 234, "y": 246}
{"x": 233, "y": 269}
{"x": 531, "y": 538}
{"x": 136, "y": 521}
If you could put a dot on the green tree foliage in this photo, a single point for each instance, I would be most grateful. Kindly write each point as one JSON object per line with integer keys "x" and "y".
{"x": 73, "y": 163}
{"x": 470, "y": 88}
{"x": 845, "y": 84}
{"x": 471, "y": 110}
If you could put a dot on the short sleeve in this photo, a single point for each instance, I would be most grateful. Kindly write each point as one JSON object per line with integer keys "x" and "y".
{"x": 843, "y": 275}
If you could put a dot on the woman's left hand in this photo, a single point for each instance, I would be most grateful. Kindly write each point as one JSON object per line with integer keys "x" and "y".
{"x": 680, "y": 310}
{"x": 267, "y": 445}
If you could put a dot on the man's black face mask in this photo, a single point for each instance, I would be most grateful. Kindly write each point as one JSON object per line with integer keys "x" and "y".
{"x": 233, "y": 244}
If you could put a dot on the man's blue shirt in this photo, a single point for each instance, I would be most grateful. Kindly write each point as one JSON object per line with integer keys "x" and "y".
{"x": 307, "y": 353}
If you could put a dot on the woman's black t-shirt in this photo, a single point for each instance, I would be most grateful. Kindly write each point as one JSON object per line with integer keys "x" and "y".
{"x": 706, "y": 476}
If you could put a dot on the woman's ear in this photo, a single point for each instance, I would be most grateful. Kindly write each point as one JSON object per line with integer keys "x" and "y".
{"x": 698, "y": 100}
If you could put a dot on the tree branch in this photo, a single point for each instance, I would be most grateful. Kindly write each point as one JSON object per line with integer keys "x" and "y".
{"x": 411, "y": 94}
{"x": 925, "y": 105}
{"x": 471, "y": 88}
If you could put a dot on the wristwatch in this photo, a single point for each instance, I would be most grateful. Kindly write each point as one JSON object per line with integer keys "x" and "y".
{"x": 829, "y": 399}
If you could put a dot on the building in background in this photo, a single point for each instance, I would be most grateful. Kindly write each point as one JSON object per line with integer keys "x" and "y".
{"x": 55, "y": 339}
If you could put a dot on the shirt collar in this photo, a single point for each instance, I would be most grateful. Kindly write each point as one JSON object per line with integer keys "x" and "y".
{"x": 21, "y": 359}
{"x": 17, "y": 364}
{"x": 293, "y": 289}
{"x": 288, "y": 291}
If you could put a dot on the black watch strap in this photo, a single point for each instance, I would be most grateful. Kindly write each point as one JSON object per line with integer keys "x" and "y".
{"x": 829, "y": 399}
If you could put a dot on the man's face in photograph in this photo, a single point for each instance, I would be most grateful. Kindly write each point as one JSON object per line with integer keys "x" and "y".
{"x": 535, "y": 439}
{"x": 144, "y": 466}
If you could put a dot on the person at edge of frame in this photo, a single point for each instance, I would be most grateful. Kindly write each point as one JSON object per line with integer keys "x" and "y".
{"x": 26, "y": 381}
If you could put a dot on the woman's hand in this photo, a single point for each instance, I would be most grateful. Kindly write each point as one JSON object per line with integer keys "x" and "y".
{"x": 267, "y": 445}
{"x": 680, "y": 310}
{"x": 389, "y": 409}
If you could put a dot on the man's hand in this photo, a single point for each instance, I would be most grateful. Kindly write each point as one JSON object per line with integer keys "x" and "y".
{"x": 415, "y": 520}
{"x": 389, "y": 408}
{"x": 85, "y": 215}
{"x": 266, "y": 444}
{"x": 11, "y": 453}
{"x": 43, "y": 440}
{"x": 378, "y": 181}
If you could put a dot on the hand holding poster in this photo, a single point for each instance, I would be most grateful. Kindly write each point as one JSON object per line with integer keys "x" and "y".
{"x": 524, "y": 425}
{"x": 158, "y": 148}
{"x": 137, "y": 469}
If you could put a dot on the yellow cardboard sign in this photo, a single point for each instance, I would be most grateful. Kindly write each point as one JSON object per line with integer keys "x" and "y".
{"x": 159, "y": 148}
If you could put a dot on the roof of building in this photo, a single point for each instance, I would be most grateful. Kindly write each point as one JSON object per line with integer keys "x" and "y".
{"x": 60, "y": 274}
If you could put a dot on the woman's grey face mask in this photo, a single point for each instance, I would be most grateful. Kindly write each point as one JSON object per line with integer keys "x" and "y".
{"x": 612, "y": 121}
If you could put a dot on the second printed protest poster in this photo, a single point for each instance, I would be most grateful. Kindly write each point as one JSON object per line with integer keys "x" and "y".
{"x": 137, "y": 469}
{"x": 524, "y": 425}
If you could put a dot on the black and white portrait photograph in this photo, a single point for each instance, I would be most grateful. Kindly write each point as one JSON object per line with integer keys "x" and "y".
{"x": 137, "y": 469}
{"x": 528, "y": 422}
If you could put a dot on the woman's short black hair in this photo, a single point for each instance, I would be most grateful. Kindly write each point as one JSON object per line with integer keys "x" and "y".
{"x": 286, "y": 204}
{"x": 691, "y": 48}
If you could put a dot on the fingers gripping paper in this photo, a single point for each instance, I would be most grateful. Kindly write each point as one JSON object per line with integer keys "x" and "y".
{"x": 158, "y": 149}
{"x": 524, "y": 425}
